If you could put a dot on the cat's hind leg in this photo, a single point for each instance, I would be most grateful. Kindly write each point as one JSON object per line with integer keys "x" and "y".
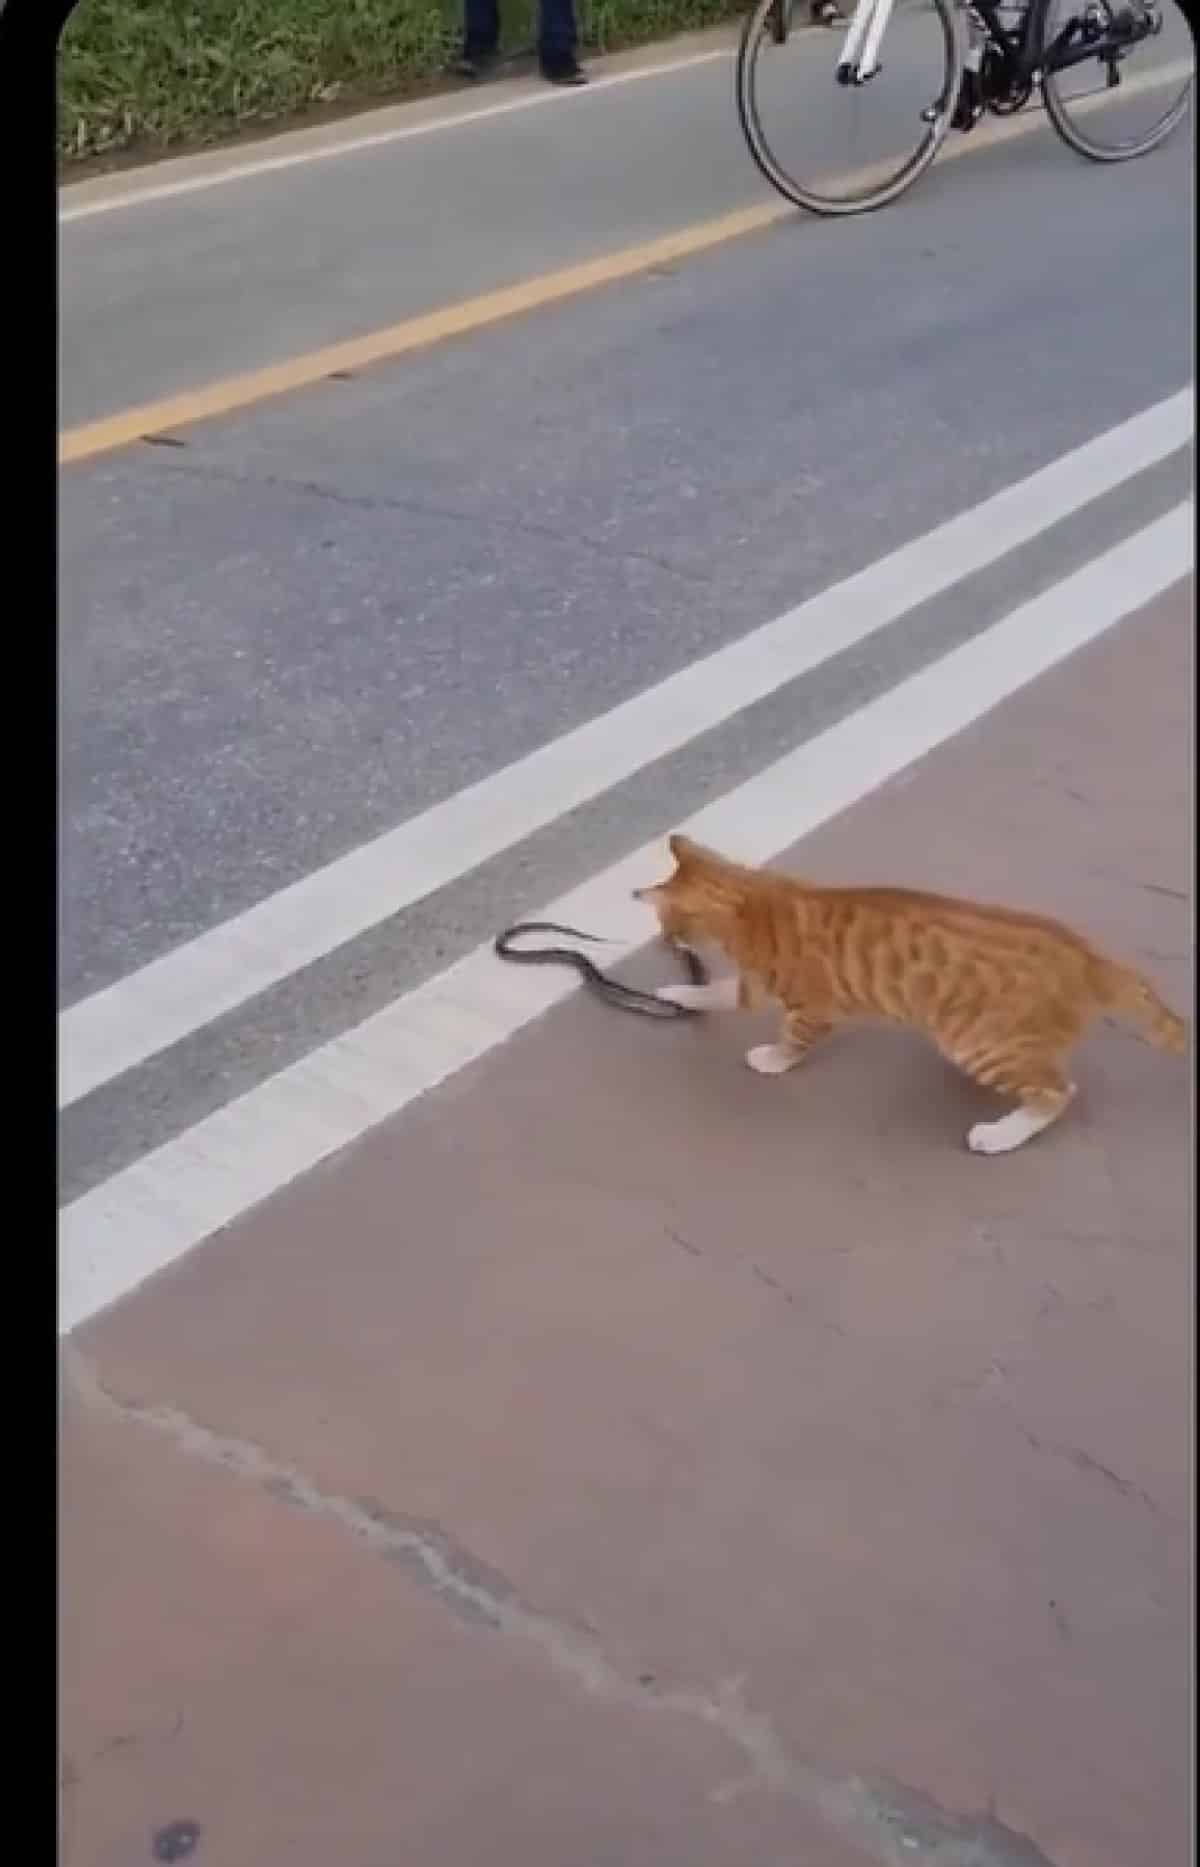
{"x": 1042, "y": 1092}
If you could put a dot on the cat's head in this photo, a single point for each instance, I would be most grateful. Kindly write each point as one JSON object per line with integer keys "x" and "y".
{"x": 690, "y": 901}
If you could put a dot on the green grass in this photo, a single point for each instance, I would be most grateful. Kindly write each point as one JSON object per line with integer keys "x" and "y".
{"x": 157, "y": 74}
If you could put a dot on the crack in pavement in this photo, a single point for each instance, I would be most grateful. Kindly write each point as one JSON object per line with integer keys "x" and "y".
{"x": 1136, "y": 881}
{"x": 736, "y": 1262}
{"x": 1086, "y": 1462}
{"x": 421, "y": 509}
{"x": 1160, "y": 888}
{"x": 892, "y": 1824}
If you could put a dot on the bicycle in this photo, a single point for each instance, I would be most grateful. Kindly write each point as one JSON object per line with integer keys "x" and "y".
{"x": 992, "y": 55}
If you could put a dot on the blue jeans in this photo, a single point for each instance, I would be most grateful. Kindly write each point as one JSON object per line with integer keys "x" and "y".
{"x": 557, "y": 36}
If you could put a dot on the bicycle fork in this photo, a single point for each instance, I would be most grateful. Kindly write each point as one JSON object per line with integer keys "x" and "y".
{"x": 859, "y": 61}
{"x": 860, "y": 49}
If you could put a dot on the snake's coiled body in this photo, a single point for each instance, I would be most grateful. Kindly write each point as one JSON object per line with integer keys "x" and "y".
{"x": 624, "y": 997}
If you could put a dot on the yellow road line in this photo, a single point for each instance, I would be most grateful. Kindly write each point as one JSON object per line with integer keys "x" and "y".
{"x": 232, "y": 393}
{"x": 432, "y": 327}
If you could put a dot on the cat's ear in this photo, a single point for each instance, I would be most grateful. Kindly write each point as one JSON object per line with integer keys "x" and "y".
{"x": 686, "y": 853}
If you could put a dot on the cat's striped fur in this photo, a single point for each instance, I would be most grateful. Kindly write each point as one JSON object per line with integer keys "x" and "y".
{"x": 1004, "y": 995}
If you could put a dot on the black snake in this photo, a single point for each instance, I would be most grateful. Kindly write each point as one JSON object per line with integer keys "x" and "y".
{"x": 624, "y": 997}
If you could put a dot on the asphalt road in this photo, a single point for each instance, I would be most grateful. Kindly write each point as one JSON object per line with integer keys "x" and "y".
{"x": 305, "y": 623}
{"x": 175, "y": 275}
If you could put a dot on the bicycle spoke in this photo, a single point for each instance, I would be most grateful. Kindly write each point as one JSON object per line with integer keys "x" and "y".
{"x": 1118, "y": 77}
{"x": 841, "y": 119}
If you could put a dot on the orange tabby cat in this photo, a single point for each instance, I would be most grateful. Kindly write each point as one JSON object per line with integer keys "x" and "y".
{"x": 1004, "y": 995}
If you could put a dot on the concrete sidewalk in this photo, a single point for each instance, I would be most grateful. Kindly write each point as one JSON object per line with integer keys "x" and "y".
{"x": 622, "y": 1459}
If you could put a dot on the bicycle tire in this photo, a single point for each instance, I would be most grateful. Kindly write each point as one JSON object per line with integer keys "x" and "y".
{"x": 1061, "y": 112}
{"x": 769, "y": 21}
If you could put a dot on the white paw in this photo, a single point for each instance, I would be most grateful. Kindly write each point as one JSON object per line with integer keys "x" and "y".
{"x": 1001, "y": 1137}
{"x": 984, "y": 1139}
{"x": 688, "y": 997}
{"x": 717, "y": 995}
{"x": 771, "y": 1059}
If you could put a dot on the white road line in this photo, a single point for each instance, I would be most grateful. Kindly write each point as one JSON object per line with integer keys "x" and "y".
{"x": 155, "y": 1211}
{"x": 117, "y": 1028}
{"x": 377, "y": 139}
{"x": 326, "y": 146}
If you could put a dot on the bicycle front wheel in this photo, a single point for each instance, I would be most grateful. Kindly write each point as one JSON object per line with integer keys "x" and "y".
{"x": 843, "y": 148}
{"x": 1127, "y": 99}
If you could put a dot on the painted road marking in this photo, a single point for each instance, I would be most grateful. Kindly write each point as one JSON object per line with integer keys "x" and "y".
{"x": 167, "y": 414}
{"x": 351, "y": 354}
{"x": 352, "y": 145}
{"x": 153, "y": 1212}
{"x": 119, "y": 1027}
{"x": 107, "y": 196}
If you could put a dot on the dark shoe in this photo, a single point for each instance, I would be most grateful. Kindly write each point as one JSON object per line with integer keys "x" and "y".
{"x": 563, "y": 69}
{"x": 475, "y": 65}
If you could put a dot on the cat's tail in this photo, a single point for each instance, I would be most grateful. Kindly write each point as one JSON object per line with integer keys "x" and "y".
{"x": 1131, "y": 996}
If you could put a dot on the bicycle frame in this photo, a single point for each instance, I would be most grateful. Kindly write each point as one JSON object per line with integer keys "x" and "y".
{"x": 1021, "y": 54}
{"x": 994, "y": 55}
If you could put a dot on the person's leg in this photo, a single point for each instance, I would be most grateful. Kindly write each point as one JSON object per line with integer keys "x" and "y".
{"x": 481, "y": 37}
{"x": 557, "y": 42}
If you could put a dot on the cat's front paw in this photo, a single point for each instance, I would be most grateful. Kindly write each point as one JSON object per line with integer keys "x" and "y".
{"x": 1011, "y": 1131}
{"x": 717, "y": 995}
{"x": 772, "y": 1059}
{"x": 983, "y": 1139}
{"x": 687, "y": 997}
